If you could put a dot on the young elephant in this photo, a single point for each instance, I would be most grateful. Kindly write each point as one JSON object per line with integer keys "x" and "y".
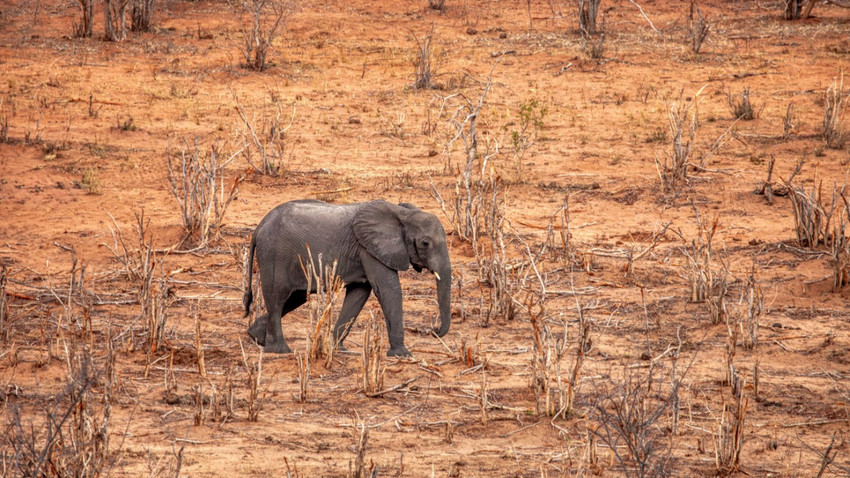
{"x": 370, "y": 241}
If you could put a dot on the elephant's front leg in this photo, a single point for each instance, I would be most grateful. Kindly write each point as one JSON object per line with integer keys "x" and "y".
{"x": 356, "y": 295}
{"x": 387, "y": 288}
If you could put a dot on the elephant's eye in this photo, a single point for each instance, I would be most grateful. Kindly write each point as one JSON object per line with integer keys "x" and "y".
{"x": 426, "y": 244}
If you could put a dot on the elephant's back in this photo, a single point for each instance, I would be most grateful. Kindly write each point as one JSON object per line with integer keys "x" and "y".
{"x": 287, "y": 230}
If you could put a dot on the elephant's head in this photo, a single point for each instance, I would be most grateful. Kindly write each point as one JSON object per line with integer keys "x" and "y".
{"x": 403, "y": 235}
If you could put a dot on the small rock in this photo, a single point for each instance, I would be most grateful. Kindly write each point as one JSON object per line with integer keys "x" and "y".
{"x": 471, "y": 31}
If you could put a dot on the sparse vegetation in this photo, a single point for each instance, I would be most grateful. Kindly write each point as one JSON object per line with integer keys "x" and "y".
{"x": 260, "y": 22}
{"x": 698, "y": 27}
{"x": 741, "y": 106}
{"x": 834, "y": 134}
{"x": 201, "y": 190}
{"x": 604, "y": 322}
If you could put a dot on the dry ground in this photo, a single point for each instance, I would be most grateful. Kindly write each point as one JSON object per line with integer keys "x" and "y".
{"x": 89, "y": 124}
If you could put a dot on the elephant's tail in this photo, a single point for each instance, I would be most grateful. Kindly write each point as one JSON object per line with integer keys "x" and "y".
{"x": 248, "y": 296}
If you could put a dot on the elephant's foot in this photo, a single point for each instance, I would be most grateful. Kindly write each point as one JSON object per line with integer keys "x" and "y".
{"x": 399, "y": 351}
{"x": 276, "y": 348}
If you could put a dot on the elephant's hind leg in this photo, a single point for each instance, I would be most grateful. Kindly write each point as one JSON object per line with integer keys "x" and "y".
{"x": 257, "y": 330}
{"x": 274, "y": 341}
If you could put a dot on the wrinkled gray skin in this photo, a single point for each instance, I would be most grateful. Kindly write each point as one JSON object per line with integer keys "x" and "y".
{"x": 371, "y": 241}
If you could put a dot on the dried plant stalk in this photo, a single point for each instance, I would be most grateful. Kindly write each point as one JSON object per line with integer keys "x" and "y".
{"x": 254, "y": 376}
{"x": 755, "y": 308}
{"x": 729, "y": 439}
{"x": 833, "y": 114}
{"x": 373, "y": 372}
{"x": 327, "y": 285}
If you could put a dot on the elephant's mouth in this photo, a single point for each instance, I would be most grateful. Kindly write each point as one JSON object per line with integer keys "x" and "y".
{"x": 419, "y": 268}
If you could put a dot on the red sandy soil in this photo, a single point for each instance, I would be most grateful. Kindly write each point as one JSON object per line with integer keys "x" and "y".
{"x": 343, "y": 72}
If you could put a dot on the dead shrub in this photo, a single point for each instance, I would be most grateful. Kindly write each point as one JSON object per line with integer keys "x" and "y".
{"x": 839, "y": 250}
{"x": 328, "y": 285}
{"x": 201, "y": 191}
{"x": 424, "y": 69}
{"x": 260, "y": 22}
{"x": 70, "y": 435}
{"x": 626, "y": 415}
{"x": 729, "y": 438}
{"x": 588, "y": 12}
{"x": 698, "y": 27}
{"x": 264, "y": 136}
{"x": 84, "y": 29}
{"x": 833, "y": 114}
{"x": 141, "y": 15}
{"x": 373, "y": 352}
{"x": 741, "y": 106}
{"x": 254, "y": 376}
{"x": 812, "y": 215}
{"x": 683, "y": 120}
{"x": 706, "y": 274}
{"x": 754, "y": 298}
{"x": 115, "y": 19}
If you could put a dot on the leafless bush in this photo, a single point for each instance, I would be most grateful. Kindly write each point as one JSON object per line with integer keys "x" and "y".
{"x": 260, "y": 22}
{"x": 114, "y": 19}
{"x": 839, "y": 250}
{"x": 359, "y": 469}
{"x": 155, "y": 298}
{"x": 707, "y": 280}
{"x": 833, "y": 114}
{"x": 683, "y": 120}
{"x": 201, "y": 192}
{"x": 554, "y": 393}
{"x": 626, "y": 414}
{"x": 698, "y": 28}
{"x": 470, "y": 183}
{"x": 729, "y": 438}
{"x": 84, "y": 28}
{"x": 788, "y": 122}
{"x": 321, "y": 305}
{"x": 424, "y": 69}
{"x": 754, "y": 309}
{"x": 812, "y": 216}
{"x": 373, "y": 372}
{"x": 133, "y": 261}
{"x": 494, "y": 271}
{"x": 254, "y": 376}
{"x": 588, "y": 11}
{"x": 593, "y": 45}
{"x": 70, "y": 436}
{"x": 266, "y": 137}
{"x": 141, "y": 13}
{"x": 741, "y": 106}
{"x": 558, "y": 235}
{"x": 303, "y": 376}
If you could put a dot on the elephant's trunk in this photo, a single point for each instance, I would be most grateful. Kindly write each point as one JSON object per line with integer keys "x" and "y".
{"x": 444, "y": 293}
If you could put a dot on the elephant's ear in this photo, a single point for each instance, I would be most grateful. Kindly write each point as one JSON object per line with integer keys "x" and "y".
{"x": 410, "y": 206}
{"x": 378, "y": 229}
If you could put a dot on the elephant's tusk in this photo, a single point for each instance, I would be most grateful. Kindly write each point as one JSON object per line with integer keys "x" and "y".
{"x": 438, "y": 275}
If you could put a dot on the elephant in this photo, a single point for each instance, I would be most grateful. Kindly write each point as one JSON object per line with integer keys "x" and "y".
{"x": 371, "y": 242}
